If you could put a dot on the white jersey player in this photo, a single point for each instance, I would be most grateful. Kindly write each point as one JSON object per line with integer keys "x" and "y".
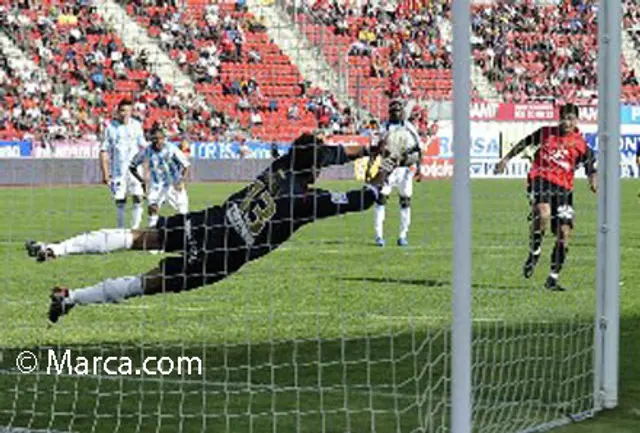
{"x": 401, "y": 178}
{"x": 167, "y": 171}
{"x": 123, "y": 139}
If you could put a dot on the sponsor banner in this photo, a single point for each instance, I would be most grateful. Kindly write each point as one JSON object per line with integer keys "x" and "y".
{"x": 485, "y": 141}
{"x": 15, "y": 149}
{"x": 628, "y": 170}
{"x": 628, "y": 145}
{"x": 630, "y": 114}
{"x": 436, "y": 168}
{"x": 517, "y": 168}
{"x": 234, "y": 150}
{"x": 541, "y": 112}
{"x": 68, "y": 149}
{"x": 349, "y": 140}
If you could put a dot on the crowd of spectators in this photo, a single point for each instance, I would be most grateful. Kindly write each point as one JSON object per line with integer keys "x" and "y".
{"x": 631, "y": 22}
{"x": 207, "y": 41}
{"x": 83, "y": 71}
{"x": 538, "y": 52}
{"x": 395, "y": 38}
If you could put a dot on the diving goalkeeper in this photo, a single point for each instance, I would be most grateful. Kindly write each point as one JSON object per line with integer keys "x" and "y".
{"x": 216, "y": 242}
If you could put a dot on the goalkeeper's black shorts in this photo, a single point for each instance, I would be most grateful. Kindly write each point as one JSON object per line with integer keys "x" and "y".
{"x": 209, "y": 249}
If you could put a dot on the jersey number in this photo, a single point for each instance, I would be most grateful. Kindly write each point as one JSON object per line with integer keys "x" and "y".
{"x": 258, "y": 207}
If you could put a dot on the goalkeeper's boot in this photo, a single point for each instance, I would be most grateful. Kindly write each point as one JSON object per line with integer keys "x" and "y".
{"x": 380, "y": 241}
{"x": 552, "y": 284}
{"x": 33, "y": 247}
{"x": 45, "y": 254}
{"x": 530, "y": 265}
{"x": 403, "y": 242}
{"x": 58, "y": 307}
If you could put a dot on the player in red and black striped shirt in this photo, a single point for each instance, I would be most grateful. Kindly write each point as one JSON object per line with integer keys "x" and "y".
{"x": 560, "y": 151}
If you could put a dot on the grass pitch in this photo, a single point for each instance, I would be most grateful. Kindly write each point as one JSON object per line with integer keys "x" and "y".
{"x": 326, "y": 334}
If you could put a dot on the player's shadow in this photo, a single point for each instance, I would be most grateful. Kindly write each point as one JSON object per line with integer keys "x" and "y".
{"x": 401, "y": 281}
{"x": 434, "y": 283}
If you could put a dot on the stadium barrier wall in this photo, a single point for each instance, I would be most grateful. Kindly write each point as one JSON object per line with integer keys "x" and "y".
{"x": 40, "y": 172}
{"x": 75, "y": 162}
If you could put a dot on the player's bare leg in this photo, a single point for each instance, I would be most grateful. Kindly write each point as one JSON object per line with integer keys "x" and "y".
{"x": 97, "y": 242}
{"x": 112, "y": 290}
{"x": 539, "y": 223}
{"x": 558, "y": 257}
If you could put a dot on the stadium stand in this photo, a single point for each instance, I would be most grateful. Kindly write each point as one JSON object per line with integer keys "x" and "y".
{"x": 243, "y": 81}
{"x": 226, "y": 51}
{"x": 385, "y": 51}
{"x": 535, "y": 52}
{"x": 84, "y": 72}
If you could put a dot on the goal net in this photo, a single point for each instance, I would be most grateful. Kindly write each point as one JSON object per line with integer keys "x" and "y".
{"x": 342, "y": 328}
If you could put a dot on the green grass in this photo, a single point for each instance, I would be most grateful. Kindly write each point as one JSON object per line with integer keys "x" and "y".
{"x": 327, "y": 333}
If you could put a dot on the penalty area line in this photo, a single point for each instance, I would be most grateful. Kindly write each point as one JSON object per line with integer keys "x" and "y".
{"x": 28, "y": 430}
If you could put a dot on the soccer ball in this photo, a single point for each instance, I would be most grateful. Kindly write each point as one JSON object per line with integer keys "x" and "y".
{"x": 399, "y": 145}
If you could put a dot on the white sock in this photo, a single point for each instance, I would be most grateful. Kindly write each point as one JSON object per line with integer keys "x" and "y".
{"x": 98, "y": 242}
{"x": 554, "y": 275}
{"x": 108, "y": 291}
{"x": 153, "y": 220}
{"x": 405, "y": 221}
{"x": 378, "y": 220}
{"x": 120, "y": 215}
{"x": 136, "y": 214}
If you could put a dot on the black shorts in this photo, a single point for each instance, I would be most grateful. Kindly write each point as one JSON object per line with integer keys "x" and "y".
{"x": 209, "y": 249}
{"x": 560, "y": 200}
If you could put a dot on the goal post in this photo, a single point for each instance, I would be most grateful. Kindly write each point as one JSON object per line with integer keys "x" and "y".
{"x": 461, "y": 333}
{"x": 608, "y": 242}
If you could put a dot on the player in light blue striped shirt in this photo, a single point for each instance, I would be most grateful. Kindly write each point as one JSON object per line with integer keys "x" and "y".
{"x": 123, "y": 138}
{"x": 167, "y": 171}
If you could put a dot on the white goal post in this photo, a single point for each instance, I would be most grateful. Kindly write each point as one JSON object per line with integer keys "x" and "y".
{"x": 605, "y": 350}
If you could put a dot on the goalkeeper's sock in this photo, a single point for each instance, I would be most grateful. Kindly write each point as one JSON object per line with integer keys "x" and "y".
{"x": 378, "y": 221}
{"x": 136, "y": 214}
{"x": 405, "y": 221}
{"x": 108, "y": 291}
{"x": 120, "y": 215}
{"x": 558, "y": 255}
{"x": 153, "y": 220}
{"x": 98, "y": 242}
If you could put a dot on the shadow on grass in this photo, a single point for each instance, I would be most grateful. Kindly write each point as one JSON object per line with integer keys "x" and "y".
{"x": 524, "y": 375}
{"x": 433, "y": 283}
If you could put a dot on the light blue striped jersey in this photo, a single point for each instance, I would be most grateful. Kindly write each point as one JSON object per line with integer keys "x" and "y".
{"x": 122, "y": 142}
{"x": 165, "y": 166}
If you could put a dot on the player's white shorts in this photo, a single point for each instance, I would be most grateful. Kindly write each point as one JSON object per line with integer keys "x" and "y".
{"x": 401, "y": 179}
{"x": 179, "y": 200}
{"x": 127, "y": 184}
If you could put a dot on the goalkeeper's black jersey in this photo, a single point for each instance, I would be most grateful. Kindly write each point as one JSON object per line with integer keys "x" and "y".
{"x": 217, "y": 241}
{"x": 266, "y": 212}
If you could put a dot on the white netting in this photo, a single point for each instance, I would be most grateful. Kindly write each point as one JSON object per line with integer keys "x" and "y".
{"x": 329, "y": 332}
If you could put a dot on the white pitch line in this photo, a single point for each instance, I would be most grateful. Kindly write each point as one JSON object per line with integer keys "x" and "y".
{"x": 27, "y": 430}
{"x": 236, "y": 386}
